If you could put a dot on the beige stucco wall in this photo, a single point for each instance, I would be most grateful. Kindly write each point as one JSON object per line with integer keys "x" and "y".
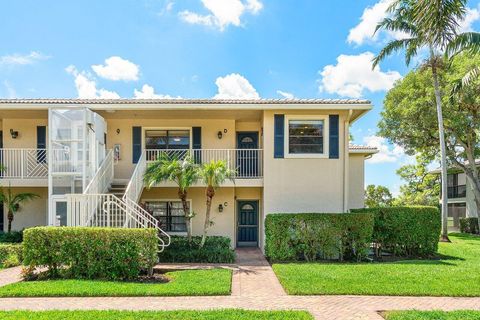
{"x": 356, "y": 195}
{"x": 224, "y": 222}
{"x": 302, "y": 185}
{"x": 31, "y": 213}
{"x": 210, "y": 128}
{"x": 470, "y": 201}
{"x": 27, "y": 132}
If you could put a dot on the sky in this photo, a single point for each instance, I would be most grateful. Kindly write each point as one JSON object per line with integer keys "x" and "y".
{"x": 208, "y": 49}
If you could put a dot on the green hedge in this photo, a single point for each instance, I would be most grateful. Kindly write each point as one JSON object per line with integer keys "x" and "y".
{"x": 10, "y": 255}
{"x": 406, "y": 231}
{"x": 11, "y": 237}
{"x": 215, "y": 250}
{"x": 310, "y": 236}
{"x": 92, "y": 253}
{"x": 469, "y": 225}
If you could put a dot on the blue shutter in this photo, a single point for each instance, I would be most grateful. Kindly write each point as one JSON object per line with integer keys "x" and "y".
{"x": 279, "y": 135}
{"x": 136, "y": 143}
{"x": 41, "y": 144}
{"x": 197, "y": 143}
{"x": 333, "y": 137}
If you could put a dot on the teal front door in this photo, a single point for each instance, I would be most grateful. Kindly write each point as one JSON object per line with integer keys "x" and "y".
{"x": 247, "y": 224}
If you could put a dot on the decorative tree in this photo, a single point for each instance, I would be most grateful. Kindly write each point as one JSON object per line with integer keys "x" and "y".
{"x": 377, "y": 196}
{"x": 12, "y": 202}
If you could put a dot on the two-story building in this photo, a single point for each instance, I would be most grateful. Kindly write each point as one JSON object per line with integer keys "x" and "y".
{"x": 86, "y": 159}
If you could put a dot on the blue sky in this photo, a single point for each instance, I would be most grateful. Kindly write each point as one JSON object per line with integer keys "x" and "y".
{"x": 204, "y": 49}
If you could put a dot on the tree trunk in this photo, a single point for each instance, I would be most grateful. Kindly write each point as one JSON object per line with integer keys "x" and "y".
{"x": 186, "y": 212}
{"x": 10, "y": 219}
{"x": 210, "y": 195}
{"x": 443, "y": 161}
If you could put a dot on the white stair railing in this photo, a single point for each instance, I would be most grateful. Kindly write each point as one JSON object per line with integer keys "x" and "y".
{"x": 132, "y": 195}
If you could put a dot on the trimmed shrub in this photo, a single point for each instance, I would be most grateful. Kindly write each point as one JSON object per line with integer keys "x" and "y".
{"x": 11, "y": 237}
{"x": 312, "y": 236}
{"x": 406, "y": 231}
{"x": 91, "y": 253}
{"x": 10, "y": 255}
{"x": 215, "y": 250}
{"x": 469, "y": 225}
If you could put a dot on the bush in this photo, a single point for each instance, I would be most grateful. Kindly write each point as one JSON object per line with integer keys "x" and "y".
{"x": 91, "y": 253}
{"x": 310, "y": 236}
{"x": 215, "y": 250}
{"x": 469, "y": 225}
{"x": 10, "y": 255}
{"x": 11, "y": 237}
{"x": 406, "y": 231}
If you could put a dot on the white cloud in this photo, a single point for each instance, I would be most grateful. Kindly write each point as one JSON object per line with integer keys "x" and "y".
{"x": 371, "y": 17}
{"x": 147, "y": 92}
{"x": 472, "y": 15}
{"x": 286, "y": 95}
{"x": 222, "y": 12}
{"x": 116, "y": 68}
{"x": 353, "y": 74}
{"x": 87, "y": 87}
{"x": 22, "y": 59}
{"x": 11, "y": 93}
{"x": 235, "y": 86}
{"x": 386, "y": 152}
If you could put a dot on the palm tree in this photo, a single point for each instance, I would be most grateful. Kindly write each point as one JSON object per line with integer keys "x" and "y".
{"x": 183, "y": 172}
{"x": 434, "y": 25}
{"x": 13, "y": 201}
{"x": 213, "y": 175}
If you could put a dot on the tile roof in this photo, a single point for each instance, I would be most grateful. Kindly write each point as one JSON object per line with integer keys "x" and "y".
{"x": 361, "y": 149}
{"x": 183, "y": 101}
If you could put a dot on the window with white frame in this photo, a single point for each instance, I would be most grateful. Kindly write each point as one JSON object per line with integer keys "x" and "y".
{"x": 305, "y": 136}
{"x": 169, "y": 214}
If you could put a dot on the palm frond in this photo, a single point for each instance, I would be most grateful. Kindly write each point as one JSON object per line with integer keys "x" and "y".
{"x": 467, "y": 41}
{"x": 465, "y": 81}
{"x": 214, "y": 173}
{"x": 171, "y": 168}
{"x": 391, "y": 47}
{"x": 22, "y": 197}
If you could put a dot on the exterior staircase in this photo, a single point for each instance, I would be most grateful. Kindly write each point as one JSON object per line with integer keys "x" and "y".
{"x": 115, "y": 205}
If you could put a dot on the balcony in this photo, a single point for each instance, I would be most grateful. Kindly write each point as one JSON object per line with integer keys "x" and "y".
{"x": 247, "y": 163}
{"x": 457, "y": 192}
{"x": 23, "y": 167}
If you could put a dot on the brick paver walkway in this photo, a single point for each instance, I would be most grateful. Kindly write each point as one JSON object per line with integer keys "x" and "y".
{"x": 254, "y": 287}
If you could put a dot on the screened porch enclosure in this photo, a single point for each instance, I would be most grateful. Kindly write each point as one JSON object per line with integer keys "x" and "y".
{"x": 76, "y": 150}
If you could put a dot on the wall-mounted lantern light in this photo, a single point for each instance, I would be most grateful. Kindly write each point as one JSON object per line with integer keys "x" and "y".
{"x": 219, "y": 134}
{"x": 14, "y": 134}
{"x": 118, "y": 131}
{"x": 220, "y": 208}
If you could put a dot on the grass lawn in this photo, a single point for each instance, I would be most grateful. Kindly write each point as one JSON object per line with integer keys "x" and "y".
{"x": 183, "y": 283}
{"x": 457, "y": 273}
{"x": 433, "y": 315}
{"x": 163, "y": 315}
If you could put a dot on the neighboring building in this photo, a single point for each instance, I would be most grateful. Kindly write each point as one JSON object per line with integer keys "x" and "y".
{"x": 85, "y": 158}
{"x": 461, "y": 201}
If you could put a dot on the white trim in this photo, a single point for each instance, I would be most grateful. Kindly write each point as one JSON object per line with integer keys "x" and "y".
{"x": 323, "y": 155}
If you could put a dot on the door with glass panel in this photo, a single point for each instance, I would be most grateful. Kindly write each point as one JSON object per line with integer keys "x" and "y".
{"x": 247, "y": 154}
{"x": 175, "y": 143}
{"x": 247, "y": 224}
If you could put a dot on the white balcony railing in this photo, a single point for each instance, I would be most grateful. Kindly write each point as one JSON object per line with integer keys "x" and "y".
{"x": 247, "y": 163}
{"x": 23, "y": 163}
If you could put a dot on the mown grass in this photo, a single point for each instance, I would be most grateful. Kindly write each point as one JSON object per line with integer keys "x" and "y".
{"x": 183, "y": 283}
{"x": 433, "y": 315}
{"x": 455, "y": 273}
{"x": 151, "y": 315}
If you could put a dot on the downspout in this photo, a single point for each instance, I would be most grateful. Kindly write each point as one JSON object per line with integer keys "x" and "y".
{"x": 346, "y": 159}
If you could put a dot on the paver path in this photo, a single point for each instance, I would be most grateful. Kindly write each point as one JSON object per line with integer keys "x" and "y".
{"x": 254, "y": 287}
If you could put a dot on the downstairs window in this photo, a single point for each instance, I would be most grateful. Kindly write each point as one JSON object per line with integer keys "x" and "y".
{"x": 169, "y": 214}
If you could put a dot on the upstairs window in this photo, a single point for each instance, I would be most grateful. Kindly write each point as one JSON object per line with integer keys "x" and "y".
{"x": 306, "y": 137}
{"x": 167, "y": 139}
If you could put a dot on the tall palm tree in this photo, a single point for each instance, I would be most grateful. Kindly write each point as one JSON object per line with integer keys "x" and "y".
{"x": 213, "y": 174}
{"x": 434, "y": 25}
{"x": 13, "y": 201}
{"x": 183, "y": 172}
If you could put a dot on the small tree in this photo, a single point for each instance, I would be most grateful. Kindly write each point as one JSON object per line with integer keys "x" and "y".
{"x": 213, "y": 175}
{"x": 183, "y": 172}
{"x": 12, "y": 202}
{"x": 377, "y": 196}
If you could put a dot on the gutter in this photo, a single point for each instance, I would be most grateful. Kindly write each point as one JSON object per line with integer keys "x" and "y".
{"x": 346, "y": 159}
